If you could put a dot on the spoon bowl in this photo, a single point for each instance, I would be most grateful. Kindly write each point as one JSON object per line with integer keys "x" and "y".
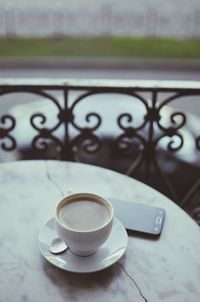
{"x": 57, "y": 246}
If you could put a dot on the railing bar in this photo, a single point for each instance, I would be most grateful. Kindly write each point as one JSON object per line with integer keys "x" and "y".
{"x": 66, "y": 121}
{"x": 194, "y": 91}
{"x": 116, "y": 85}
{"x": 149, "y": 146}
{"x": 169, "y": 186}
{"x": 135, "y": 165}
{"x": 190, "y": 193}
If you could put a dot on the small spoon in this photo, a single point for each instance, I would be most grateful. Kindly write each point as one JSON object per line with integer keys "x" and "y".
{"x": 57, "y": 246}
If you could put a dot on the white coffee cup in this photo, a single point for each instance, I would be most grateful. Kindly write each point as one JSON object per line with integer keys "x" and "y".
{"x": 84, "y": 222}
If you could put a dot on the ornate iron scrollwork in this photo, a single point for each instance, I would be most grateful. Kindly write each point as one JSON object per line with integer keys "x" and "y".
{"x": 86, "y": 136}
{"x": 45, "y": 135}
{"x": 5, "y": 133}
{"x": 66, "y": 116}
{"x": 144, "y": 148}
{"x": 131, "y": 134}
{"x": 178, "y": 120}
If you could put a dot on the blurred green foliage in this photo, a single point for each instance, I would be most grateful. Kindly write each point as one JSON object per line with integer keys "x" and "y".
{"x": 127, "y": 47}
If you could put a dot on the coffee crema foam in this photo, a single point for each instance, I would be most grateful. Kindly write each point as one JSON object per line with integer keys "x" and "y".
{"x": 84, "y": 215}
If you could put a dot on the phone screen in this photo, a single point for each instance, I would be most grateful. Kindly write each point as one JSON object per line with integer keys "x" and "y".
{"x": 136, "y": 217}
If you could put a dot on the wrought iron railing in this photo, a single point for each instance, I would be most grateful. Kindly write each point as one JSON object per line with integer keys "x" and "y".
{"x": 133, "y": 127}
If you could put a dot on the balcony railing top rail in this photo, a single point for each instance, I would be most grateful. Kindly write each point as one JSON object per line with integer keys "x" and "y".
{"x": 117, "y": 85}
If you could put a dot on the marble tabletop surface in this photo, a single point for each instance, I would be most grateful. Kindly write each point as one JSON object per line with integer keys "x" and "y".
{"x": 167, "y": 269}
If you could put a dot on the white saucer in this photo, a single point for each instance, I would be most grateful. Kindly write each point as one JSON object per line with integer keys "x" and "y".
{"x": 110, "y": 252}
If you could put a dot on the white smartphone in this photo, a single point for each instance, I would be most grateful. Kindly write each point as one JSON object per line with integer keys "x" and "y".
{"x": 138, "y": 218}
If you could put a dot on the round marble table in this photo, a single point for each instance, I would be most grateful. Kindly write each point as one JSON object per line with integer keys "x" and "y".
{"x": 167, "y": 269}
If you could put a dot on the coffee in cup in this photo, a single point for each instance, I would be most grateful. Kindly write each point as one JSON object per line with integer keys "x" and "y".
{"x": 84, "y": 214}
{"x": 84, "y": 222}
